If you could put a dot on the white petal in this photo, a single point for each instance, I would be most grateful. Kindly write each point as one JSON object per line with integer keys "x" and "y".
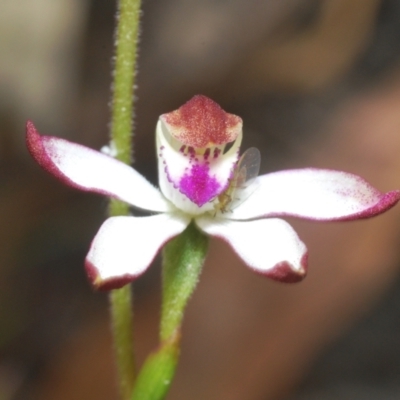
{"x": 316, "y": 194}
{"x": 124, "y": 247}
{"x": 268, "y": 246}
{"x": 90, "y": 170}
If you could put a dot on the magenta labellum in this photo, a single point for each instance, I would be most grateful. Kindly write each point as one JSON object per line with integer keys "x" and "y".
{"x": 194, "y": 168}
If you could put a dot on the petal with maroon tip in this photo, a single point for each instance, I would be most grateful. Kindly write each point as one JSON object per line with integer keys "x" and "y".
{"x": 316, "y": 194}
{"x": 270, "y": 246}
{"x": 89, "y": 170}
{"x": 124, "y": 247}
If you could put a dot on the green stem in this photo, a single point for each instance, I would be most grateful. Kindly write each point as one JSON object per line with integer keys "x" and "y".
{"x": 121, "y": 142}
{"x": 182, "y": 264}
{"x": 124, "y": 78}
{"x": 121, "y": 321}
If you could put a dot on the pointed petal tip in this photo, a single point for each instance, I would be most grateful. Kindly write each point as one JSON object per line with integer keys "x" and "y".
{"x": 285, "y": 273}
{"x": 105, "y": 285}
{"x": 30, "y": 126}
{"x": 32, "y": 137}
{"x": 385, "y": 203}
{"x": 36, "y": 147}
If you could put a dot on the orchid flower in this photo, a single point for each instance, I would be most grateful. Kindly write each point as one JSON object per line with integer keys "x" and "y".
{"x": 199, "y": 181}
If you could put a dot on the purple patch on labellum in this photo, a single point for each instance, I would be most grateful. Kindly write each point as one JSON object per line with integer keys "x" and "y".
{"x": 198, "y": 185}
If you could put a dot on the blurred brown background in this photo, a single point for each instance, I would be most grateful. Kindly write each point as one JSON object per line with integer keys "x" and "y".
{"x": 317, "y": 83}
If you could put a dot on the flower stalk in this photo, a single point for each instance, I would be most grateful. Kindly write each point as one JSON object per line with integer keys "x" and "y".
{"x": 183, "y": 259}
{"x": 121, "y": 143}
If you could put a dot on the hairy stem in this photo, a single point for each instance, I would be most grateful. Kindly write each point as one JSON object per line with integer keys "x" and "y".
{"x": 122, "y": 324}
{"x": 182, "y": 264}
{"x": 122, "y": 108}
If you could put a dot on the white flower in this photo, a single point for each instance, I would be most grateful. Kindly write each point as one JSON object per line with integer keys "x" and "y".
{"x": 199, "y": 181}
